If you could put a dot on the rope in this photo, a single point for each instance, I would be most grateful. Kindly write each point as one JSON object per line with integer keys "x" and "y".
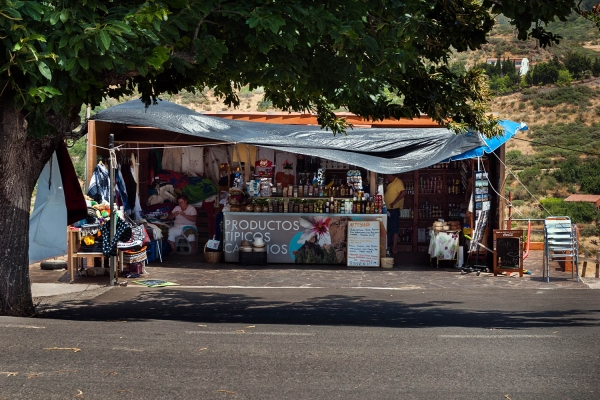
{"x": 531, "y": 194}
{"x": 113, "y": 157}
{"x": 495, "y": 191}
{"x": 164, "y": 147}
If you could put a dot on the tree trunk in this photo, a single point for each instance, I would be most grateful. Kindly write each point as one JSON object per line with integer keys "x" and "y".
{"x": 22, "y": 159}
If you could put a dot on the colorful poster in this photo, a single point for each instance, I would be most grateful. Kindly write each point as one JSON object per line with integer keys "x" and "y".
{"x": 292, "y": 238}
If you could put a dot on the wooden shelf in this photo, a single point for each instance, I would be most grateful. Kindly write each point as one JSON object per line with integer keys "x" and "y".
{"x": 439, "y": 199}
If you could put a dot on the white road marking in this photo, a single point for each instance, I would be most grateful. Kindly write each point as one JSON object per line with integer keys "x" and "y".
{"x": 251, "y": 333}
{"x": 492, "y": 336}
{"x": 22, "y": 326}
{"x": 409, "y": 287}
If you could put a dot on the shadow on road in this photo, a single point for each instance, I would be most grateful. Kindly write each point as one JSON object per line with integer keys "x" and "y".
{"x": 332, "y": 310}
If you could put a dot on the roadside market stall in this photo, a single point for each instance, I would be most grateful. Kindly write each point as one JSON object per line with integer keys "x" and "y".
{"x": 309, "y": 170}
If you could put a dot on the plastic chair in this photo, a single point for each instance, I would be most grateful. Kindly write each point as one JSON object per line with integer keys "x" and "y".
{"x": 182, "y": 245}
{"x": 560, "y": 243}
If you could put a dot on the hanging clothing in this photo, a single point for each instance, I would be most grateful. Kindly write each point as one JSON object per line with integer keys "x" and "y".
{"x": 172, "y": 159}
{"x": 155, "y": 160}
{"x": 121, "y": 188}
{"x": 192, "y": 160}
{"x": 135, "y": 173}
{"x": 263, "y": 152}
{"x": 74, "y": 200}
{"x": 215, "y": 157}
{"x": 130, "y": 185}
{"x": 99, "y": 188}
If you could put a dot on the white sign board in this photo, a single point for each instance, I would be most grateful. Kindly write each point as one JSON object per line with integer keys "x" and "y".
{"x": 363, "y": 244}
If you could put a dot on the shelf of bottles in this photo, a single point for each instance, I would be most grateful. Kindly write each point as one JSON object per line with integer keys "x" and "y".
{"x": 405, "y": 235}
{"x": 430, "y": 185}
{"x": 331, "y": 205}
{"x": 409, "y": 187}
{"x": 454, "y": 186}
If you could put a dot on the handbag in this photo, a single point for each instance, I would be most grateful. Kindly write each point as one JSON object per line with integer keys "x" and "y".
{"x": 122, "y": 233}
{"x": 139, "y": 232}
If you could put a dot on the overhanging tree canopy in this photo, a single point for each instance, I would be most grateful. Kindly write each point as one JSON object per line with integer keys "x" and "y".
{"x": 308, "y": 55}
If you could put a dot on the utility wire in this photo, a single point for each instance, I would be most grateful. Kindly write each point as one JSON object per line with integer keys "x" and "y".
{"x": 558, "y": 147}
{"x": 513, "y": 174}
{"x": 495, "y": 191}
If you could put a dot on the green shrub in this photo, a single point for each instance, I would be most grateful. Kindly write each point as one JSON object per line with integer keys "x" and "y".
{"x": 264, "y": 105}
{"x": 564, "y": 78}
{"x": 574, "y": 95}
{"x": 589, "y": 230}
{"x": 579, "y": 212}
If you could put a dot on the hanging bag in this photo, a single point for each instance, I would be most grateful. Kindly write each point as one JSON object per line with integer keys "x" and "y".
{"x": 123, "y": 232}
{"x": 138, "y": 237}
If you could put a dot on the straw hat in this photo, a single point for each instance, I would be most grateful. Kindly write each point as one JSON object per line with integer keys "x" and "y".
{"x": 258, "y": 242}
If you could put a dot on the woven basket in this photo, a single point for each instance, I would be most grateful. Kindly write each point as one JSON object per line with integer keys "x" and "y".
{"x": 130, "y": 257}
{"x": 212, "y": 257}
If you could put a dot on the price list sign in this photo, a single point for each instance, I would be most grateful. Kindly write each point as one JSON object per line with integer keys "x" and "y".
{"x": 363, "y": 244}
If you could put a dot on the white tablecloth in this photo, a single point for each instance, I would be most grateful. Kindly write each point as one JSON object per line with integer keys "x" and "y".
{"x": 443, "y": 245}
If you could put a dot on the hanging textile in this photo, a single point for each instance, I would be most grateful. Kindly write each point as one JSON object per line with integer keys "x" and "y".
{"x": 192, "y": 160}
{"x": 74, "y": 200}
{"x": 172, "y": 159}
{"x": 49, "y": 216}
{"x": 99, "y": 188}
{"x": 263, "y": 152}
{"x": 280, "y": 162}
{"x": 130, "y": 185}
{"x": 215, "y": 157}
{"x": 135, "y": 173}
{"x": 122, "y": 190}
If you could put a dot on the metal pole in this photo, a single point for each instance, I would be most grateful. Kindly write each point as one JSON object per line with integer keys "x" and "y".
{"x": 113, "y": 214}
{"x": 85, "y": 174}
{"x": 509, "y": 221}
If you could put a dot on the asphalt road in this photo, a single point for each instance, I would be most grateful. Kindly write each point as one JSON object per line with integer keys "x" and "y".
{"x": 139, "y": 343}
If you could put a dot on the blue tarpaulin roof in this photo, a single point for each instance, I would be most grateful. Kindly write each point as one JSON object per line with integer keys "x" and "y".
{"x": 510, "y": 129}
{"x": 383, "y": 150}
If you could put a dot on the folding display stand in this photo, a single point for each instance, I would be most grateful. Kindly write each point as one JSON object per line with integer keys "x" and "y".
{"x": 473, "y": 259}
{"x": 481, "y": 205}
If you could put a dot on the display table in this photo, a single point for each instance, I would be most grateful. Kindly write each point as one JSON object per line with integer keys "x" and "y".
{"x": 74, "y": 258}
{"x": 443, "y": 245}
{"x": 300, "y": 238}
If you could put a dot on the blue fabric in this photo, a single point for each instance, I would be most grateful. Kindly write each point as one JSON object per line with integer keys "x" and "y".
{"x": 48, "y": 221}
{"x": 510, "y": 129}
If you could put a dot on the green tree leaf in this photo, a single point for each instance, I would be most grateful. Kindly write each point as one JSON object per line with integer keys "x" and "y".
{"x": 44, "y": 70}
{"x": 105, "y": 39}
